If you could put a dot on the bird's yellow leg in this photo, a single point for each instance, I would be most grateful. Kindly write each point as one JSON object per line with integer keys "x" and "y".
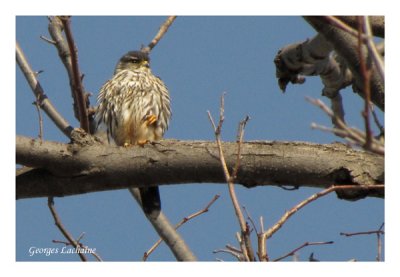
{"x": 150, "y": 119}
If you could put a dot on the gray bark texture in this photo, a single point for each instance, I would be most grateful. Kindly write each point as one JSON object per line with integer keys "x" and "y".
{"x": 86, "y": 165}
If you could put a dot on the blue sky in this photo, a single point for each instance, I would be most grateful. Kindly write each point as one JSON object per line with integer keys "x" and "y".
{"x": 198, "y": 59}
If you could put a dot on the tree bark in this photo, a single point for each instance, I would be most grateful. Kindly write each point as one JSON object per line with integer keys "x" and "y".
{"x": 88, "y": 166}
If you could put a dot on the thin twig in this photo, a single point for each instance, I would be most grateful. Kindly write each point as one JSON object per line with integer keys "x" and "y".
{"x": 239, "y": 141}
{"x": 294, "y": 251}
{"x": 378, "y": 233}
{"x": 379, "y": 243}
{"x": 37, "y": 105}
{"x": 161, "y": 32}
{"x": 238, "y": 256}
{"x": 312, "y": 198}
{"x": 48, "y": 40}
{"x": 377, "y": 122}
{"x": 77, "y": 86}
{"x": 183, "y": 221}
{"x": 60, "y": 226}
{"x": 85, "y": 247}
{"x": 268, "y": 234}
{"x": 250, "y": 219}
{"x": 352, "y": 134}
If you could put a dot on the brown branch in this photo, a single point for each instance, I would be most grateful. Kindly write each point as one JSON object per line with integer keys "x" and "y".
{"x": 378, "y": 233}
{"x": 85, "y": 247}
{"x": 293, "y": 252}
{"x": 37, "y": 105}
{"x": 82, "y": 167}
{"x": 263, "y": 237}
{"x": 352, "y": 134}
{"x": 366, "y": 73}
{"x": 78, "y": 90}
{"x": 362, "y": 233}
{"x": 161, "y": 32}
{"x": 245, "y": 234}
{"x": 312, "y": 198}
{"x": 239, "y": 140}
{"x": 183, "y": 221}
{"x": 377, "y": 123}
{"x": 231, "y": 250}
{"x": 372, "y": 48}
{"x": 41, "y": 98}
{"x": 167, "y": 232}
{"x": 60, "y": 226}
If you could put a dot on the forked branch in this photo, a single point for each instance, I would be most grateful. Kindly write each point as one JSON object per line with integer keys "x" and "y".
{"x": 244, "y": 239}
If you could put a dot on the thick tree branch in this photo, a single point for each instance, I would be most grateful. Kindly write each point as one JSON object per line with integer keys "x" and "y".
{"x": 88, "y": 166}
{"x": 346, "y": 46}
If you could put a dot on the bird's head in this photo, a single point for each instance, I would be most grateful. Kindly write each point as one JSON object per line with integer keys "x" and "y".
{"x": 133, "y": 60}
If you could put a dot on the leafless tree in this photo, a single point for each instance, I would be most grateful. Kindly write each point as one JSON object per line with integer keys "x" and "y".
{"x": 342, "y": 53}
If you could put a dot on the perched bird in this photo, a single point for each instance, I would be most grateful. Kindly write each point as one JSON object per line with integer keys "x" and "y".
{"x": 134, "y": 106}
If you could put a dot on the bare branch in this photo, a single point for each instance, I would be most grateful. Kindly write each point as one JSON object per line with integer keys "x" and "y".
{"x": 37, "y": 105}
{"x": 294, "y": 251}
{"x": 237, "y": 255}
{"x": 183, "y": 221}
{"x": 85, "y": 247}
{"x": 56, "y": 28}
{"x": 167, "y": 232}
{"x": 69, "y": 169}
{"x": 354, "y": 135}
{"x": 48, "y": 40}
{"x": 245, "y": 234}
{"x": 60, "y": 226}
{"x": 77, "y": 87}
{"x": 264, "y": 236}
{"x": 312, "y": 198}
{"x": 239, "y": 140}
{"x": 366, "y": 73}
{"x": 162, "y": 31}
{"x": 40, "y": 96}
{"x": 378, "y": 233}
{"x": 377, "y": 58}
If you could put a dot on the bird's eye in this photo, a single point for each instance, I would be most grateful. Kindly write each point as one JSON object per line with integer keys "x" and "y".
{"x": 134, "y": 60}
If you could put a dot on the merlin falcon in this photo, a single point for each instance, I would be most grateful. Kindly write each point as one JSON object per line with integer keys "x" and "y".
{"x": 134, "y": 107}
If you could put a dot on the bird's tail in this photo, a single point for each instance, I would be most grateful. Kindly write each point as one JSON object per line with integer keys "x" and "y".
{"x": 151, "y": 202}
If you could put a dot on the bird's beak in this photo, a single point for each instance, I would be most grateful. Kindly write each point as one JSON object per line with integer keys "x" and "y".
{"x": 145, "y": 64}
